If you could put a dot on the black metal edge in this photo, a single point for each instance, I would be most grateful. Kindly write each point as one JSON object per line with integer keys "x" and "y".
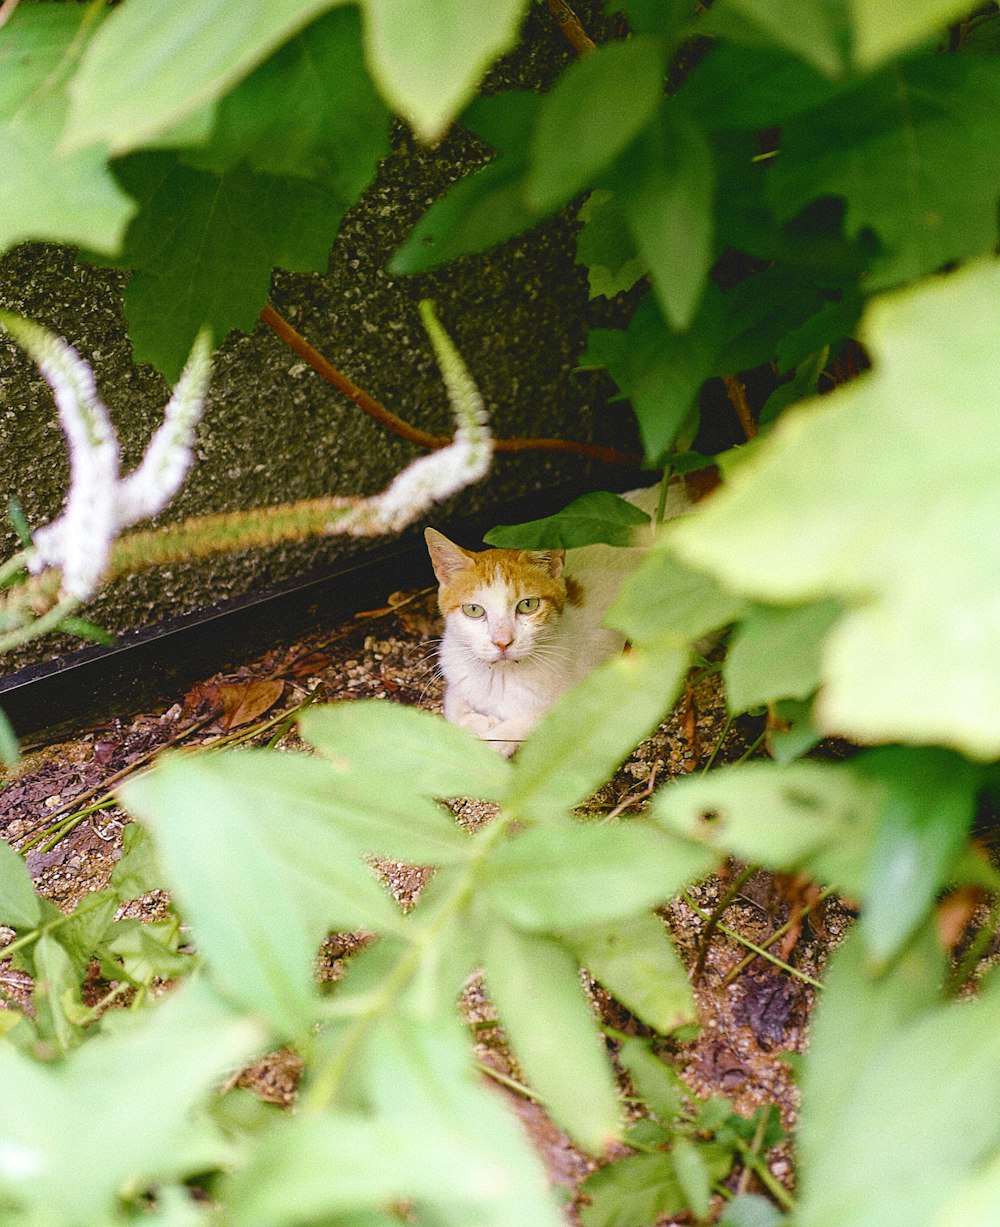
{"x": 161, "y": 661}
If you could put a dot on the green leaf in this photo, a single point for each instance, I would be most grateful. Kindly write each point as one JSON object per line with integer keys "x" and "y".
{"x": 893, "y": 532}
{"x": 565, "y": 874}
{"x": 138, "y": 869}
{"x": 427, "y": 59}
{"x": 915, "y": 153}
{"x": 596, "y": 109}
{"x": 411, "y": 752}
{"x": 925, "y": 1085}
{"x": 815, "y": 30}
{"x": 70, "y": 1164}
{"x": 606, "y": 247}
{"x": 774, "y": 654}
{"x": 487, "y": 206}
{"x": 580, "y": 741}
{"x": 45, "y": 192}
{"x": 658, "y": 1086}
{"x": 233, "y": 829}
{"x": 664, "y": 597}
{"x": 308, "y": 111}
{"x": 10, "y": 749}
{"x": 589, "y": 519}
{"x": 534, "y": 983}
{"x": 751, "y": 1210}
{"x": 882, "y": 30}
{"x": 56, "y": 995}
{"x": 632, "y": 1192}
{"x": 19, "y": 905}
{"x": 693, "y": 1175}
{"x": 148, "y": 68}
{"x": 929, "y": 806}
{"x": 203, "y": 248}
{"x": 635, "y": 959}
{"x": 667, "y": 185}
{"x": 810, "y": 816}
{"x": 661, "y": 371}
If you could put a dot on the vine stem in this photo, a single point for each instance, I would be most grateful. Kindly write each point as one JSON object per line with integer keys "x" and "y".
{"x": 413, "y": 434}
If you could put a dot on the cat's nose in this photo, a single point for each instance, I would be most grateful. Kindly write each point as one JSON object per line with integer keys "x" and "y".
{"x": 502, "y": 641}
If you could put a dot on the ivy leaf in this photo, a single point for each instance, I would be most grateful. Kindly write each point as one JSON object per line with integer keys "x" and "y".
{"x": 596, "y": 109}
{"x": 883, "y": 30}
{"x": 203, "y": 248}
{"x": 606, "y": 247}
{"x": 45, "y": 192}
{"x": 309, "y": 111}
{"x": 893, "y": 530}
{"x": 428, "y": 58}
{"x": 597, "y": 517}
{"x": 915, "y": 153}
{"x": 150, "y": 67}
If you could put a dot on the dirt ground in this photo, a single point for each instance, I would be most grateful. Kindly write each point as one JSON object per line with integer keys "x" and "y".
{"x": 752, "y": 1012}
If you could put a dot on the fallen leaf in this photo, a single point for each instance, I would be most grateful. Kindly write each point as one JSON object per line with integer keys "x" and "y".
{"x": 243, "y": 702}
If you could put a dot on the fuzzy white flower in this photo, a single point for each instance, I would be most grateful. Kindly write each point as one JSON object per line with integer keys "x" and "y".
{"x": 100, "y": 504}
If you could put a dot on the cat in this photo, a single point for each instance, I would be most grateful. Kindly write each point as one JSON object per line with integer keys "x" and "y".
{"x": 522, "y": 626}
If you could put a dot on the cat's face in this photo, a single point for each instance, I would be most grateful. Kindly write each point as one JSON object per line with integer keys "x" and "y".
{"x": 501, "y": 605}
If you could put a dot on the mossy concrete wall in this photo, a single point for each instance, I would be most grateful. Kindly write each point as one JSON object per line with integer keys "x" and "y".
{"x": 274, "y": 431}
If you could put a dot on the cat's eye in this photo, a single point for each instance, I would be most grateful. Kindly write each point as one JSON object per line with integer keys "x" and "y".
{"x": 473, "y": 611}
{"x": 528, "y": 605}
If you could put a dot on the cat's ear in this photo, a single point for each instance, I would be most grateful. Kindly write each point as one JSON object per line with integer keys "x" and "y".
{"x": 549, "y": 560}
{"x": 447, "y": 558}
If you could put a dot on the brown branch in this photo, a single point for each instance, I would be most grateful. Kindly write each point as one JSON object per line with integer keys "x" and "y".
{"x": 569, "y": 23}
{"x": 413, "y": 434}
{"x": 737, "y": 393}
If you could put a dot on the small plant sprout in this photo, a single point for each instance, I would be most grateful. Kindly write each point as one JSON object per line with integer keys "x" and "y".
{"x": 100, "y": 503}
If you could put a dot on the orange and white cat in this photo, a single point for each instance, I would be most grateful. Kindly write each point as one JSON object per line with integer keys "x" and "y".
{"x": 522, "y": 626}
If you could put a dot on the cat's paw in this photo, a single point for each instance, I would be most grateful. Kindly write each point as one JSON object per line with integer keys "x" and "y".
{"x": 477, "y": 723}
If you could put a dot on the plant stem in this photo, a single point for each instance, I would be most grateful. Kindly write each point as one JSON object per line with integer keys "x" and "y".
{"x": 718, "y": 911}
{"x": 571, "y": 26}
{"x": 764, "y": 1174}
{"x": 39, "y": 626}
{"x": 778, "y": 934}
{"x": 744, "y": 941}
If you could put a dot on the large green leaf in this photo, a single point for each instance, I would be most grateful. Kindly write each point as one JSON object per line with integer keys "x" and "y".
{"x": 596, "y": 109}
{"x": 593, "y": 728}
{"x": 606, "y": 247}
{"x": 594, "y": 517}
{"x": 887, "y": 490}
{"x": 428, "y": 58}
{"x": 46, "y": 192}
{"x": 203, "y": 248}
{"x": 150, "y": 67}
{"x": 411, "y": 752}
{"x": 915, "y": 153}
{"x": 884, "y": 28}
{"x": 67, "y": 1163}
{"x": 898, "y": 1112}
{"x": 565, "y": 874}
{"x": 310, "y": 110}
{"x": 535, "y": 985}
